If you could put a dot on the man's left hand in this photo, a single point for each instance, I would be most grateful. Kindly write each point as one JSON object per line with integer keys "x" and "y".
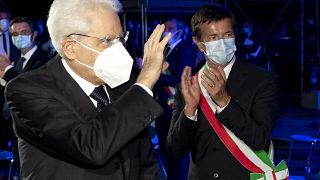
{"x": 214, "y": 81}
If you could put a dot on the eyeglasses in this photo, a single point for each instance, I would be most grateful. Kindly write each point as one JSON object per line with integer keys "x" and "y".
{"x": 108, "y": 40}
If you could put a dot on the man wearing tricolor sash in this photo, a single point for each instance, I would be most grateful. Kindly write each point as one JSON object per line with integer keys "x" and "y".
{"x": 225, "y": 113}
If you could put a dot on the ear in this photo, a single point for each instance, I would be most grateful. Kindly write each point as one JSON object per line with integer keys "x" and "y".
{"x": 34, "y": 35}
{"x": 68, "y": 48}
{"x": 200, "y": 45}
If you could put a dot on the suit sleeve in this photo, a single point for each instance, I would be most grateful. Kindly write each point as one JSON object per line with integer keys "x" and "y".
{"x": 149, "y": 166}
{"x": 10, "y": 74}
{"x": 180, "y": 136}
{"x": 54, "y": 126}
{"x": 253, "y": 124}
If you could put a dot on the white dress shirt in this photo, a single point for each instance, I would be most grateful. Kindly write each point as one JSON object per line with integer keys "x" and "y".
{"x": 88, "y": 87}
{"x": 27, "y": 56}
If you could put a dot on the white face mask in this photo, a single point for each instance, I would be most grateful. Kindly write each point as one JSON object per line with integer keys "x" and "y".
{"x": 4, "y": 25}
{"x": 221, "y": 51}
{"x": 113, "y": 64}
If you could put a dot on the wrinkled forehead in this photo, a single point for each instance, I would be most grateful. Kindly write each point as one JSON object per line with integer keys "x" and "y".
{"x": 217, "y": 27}
{"x": 104, "y": 21}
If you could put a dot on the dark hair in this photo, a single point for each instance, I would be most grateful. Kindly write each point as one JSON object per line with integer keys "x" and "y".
{"x": 23, "y": 19}
{"x": 180, "y": 24}
{"x": 208, "y": 14}
{"x": 5, "y": 9}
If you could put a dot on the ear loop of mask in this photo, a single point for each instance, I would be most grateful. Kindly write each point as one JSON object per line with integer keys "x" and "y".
{"x": 87, "y": 48}
{"x": 84, "y": 64}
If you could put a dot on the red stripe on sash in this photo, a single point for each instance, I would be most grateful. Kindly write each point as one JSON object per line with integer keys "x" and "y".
{"x": 225, "y": 137}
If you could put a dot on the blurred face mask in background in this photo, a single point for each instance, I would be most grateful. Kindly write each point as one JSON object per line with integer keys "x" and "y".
{"x": 22, "y": 41}
{"x": 4, "y": 25}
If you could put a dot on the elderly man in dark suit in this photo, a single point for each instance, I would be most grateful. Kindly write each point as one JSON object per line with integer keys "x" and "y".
{"x": 228, "y": 109}
{"x": 78, "y": 116}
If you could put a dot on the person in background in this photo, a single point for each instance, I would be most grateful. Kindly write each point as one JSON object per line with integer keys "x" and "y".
{"x": 80, "y": 116}
{"x": 250, "y": 49}
{"x": 6, "y": 45}
{"x": 23, "y": 34}
{"x": 178, "y": 54}
{"x": 226, "y": 112}
{"x": 8, "y": 49}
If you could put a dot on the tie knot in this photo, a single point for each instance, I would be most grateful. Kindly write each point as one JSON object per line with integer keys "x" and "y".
{"x": 19, "y": 66}
{"x": 100, "y": 95}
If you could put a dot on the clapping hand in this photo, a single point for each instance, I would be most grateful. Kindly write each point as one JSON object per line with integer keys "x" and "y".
{"x": 190, "y": 90}
{"x": 214, "y": 81}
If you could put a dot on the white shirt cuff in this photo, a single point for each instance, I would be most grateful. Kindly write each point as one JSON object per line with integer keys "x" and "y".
{"x": 7, "y": 68}
{"x": 219, "y": 110}
{"x": 194, "y": 117}
{"x": 145, "y": 88}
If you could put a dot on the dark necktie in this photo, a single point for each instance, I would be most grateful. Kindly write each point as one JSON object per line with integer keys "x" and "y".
{"x": 100, "y": 95}
{"x": 19, "y": 66}
{"x": 4, "y": 39}
{"x": 166, "y": 50}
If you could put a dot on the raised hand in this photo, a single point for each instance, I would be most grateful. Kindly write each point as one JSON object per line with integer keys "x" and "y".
{"x": 4, "y": 62}
{"x": 153, "y": 57}
{"x": 190, "y": 90}
{"x": 214, "y": 81}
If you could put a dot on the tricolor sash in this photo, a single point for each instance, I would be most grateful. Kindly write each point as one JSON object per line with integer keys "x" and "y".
{"x": 257, "y": 162}
{"x": 169, "y": 90}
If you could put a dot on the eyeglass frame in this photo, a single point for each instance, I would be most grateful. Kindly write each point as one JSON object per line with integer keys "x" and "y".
{"x": 104, "y": 40}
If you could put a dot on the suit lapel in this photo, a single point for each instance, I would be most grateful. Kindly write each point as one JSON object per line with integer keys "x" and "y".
{"x": 236, "y": 77}
{"x": 70, "y": 89}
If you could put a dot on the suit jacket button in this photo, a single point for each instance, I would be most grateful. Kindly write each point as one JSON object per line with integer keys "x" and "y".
{"x": 215, "y": 175}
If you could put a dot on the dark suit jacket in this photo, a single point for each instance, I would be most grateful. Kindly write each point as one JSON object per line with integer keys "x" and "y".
{"x": 180, "y": 56}
{"x": 37, "y": 59}
{"x": 63, "y": 136}
{"x": 250, "y": 115}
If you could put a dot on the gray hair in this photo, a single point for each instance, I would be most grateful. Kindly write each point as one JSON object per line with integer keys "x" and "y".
{"x": 70, "y": 16}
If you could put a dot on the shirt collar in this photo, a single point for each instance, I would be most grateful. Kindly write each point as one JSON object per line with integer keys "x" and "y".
{"x": 29, "y": 53}
{"x": 85, "y": 85}
{"x": 227, "y": 69}
{"x": 174, "y": 45}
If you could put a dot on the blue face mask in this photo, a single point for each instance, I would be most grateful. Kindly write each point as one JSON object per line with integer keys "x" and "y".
{"x": 221, "y": 51}
{"x": 22, "y": 41}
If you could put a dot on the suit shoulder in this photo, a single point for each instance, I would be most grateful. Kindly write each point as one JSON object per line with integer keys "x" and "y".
{"x": 258, "y": 72}
{"x": 30, "y": 78}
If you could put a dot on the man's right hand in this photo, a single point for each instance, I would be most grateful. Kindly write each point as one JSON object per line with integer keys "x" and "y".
{"x": 190, "y": 90}
{"x": 153, "y": 57}
{"x": 4, "y": 62}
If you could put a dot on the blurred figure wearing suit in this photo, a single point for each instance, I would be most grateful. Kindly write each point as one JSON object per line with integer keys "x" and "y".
{"x": 6, "y": 47}
{"x": 23, "y": 34}
{"x": 79, "y": 116}
{"x": 178, "y": 55}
